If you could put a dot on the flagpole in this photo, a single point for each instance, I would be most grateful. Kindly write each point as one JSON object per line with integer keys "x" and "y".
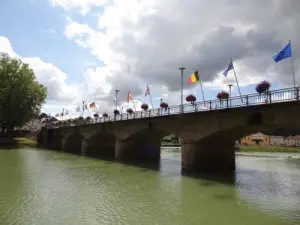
{"x": 133, "y": 105}
{"x": 96, "y": 108}
{"x": 236, "y": 81}
{"x": 150, "y": 96}
{"x": 201, "y": 89}
{"x": 82, "y": 109}
{"x": 292, "y": 64}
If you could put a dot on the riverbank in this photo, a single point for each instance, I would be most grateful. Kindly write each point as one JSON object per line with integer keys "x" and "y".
{"x": 282, "y": 149}
{"x": 19, "y": 142}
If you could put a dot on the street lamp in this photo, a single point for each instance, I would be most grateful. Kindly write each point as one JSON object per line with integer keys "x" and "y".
{"x": 229, "y": 85}
{"x": 117, "y": 91}
{"x": 181, "y": 69}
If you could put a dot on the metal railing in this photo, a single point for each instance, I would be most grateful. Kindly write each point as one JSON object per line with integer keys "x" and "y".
{"x": 271, "y": 97}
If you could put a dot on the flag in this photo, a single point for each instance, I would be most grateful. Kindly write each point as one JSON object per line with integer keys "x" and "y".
{"x": 129, "y": 96}
{"x": 194, "y": 77}
{"x": 85, "y": 107}
{"x": 77, "y": 109}
{"x": 147, "y": 91}
{"x": 229, "y": 67}
{"x": 92, "y": 105}
{"x": 57, "y": 115}
{"x": 284, "y": 53}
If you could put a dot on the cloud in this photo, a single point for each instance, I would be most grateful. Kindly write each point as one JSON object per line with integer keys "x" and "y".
{"x": 47, "y": 74}
{"x": 82, "y": 5}
{"x": 154, "y": 38}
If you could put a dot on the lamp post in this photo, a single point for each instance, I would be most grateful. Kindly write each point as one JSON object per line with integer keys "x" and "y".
{"x": 182, "y": 69}
{"x": 230, "y": 85}
{"x": 117, "y": 91}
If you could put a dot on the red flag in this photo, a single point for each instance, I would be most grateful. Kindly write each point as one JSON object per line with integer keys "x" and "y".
{"x": 147, "y": 91}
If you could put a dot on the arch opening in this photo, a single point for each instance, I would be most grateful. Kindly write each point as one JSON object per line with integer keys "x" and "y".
{"x": 73, "y": 144}
{"x": 101, "y": 145}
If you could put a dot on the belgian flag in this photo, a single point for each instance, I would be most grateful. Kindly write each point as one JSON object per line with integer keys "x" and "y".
{"x": 193, "y": 78}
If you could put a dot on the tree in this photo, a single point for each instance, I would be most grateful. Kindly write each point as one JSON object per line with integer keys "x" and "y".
{"x": 21, "y": 96}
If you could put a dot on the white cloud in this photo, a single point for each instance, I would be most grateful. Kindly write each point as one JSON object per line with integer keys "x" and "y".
{"x": 83, "y": 5}
{"x": 155, "y": 37}
{"x": 52, "y": 31}
{"x": 48, "y": 75}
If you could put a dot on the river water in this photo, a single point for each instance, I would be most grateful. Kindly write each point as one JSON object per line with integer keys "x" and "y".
{"x": 40, "y": 187}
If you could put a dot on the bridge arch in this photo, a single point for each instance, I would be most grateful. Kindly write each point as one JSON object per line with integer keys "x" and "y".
{"x": 72, "y": 144}
{"x": 101, "y": 144}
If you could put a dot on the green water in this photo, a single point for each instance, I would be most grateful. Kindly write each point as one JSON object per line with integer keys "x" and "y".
{"x": 46, "y": 188}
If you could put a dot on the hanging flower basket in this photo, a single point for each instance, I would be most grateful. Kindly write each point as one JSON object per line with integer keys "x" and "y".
{"x": 96, "y": 115}
{"x": 191, "y": 99}
{"x": 262, "y": 87}
{"x": 116, "y": 112}
{"x": 144, "y": 107}
{"x": 105, "y": 115}
{"x": 164, "y": 105}
{"x": 130, "y": 111}
{"x": 223, "y": 95}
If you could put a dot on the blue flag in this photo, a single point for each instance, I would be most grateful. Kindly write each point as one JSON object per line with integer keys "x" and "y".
{"x": 284, "y": 53}
{"x": 230, "y": 67}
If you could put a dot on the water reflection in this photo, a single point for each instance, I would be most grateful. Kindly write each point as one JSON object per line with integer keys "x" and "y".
{"x": 45, "y": 187}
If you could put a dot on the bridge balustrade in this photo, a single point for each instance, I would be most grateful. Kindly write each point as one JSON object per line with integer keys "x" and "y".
{"x": 270, "y": 97}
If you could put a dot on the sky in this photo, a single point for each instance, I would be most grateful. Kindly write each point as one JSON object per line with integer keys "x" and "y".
{"x": 83, "y": 50}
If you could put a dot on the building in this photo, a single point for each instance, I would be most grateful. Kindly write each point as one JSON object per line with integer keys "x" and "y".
{"x": 292, "y": 141}
{"x": 277, "y": 140}
{"x": 256, "y": 139}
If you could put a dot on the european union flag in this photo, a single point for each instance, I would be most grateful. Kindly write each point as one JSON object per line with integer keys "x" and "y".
{"x": 284, "y": 53}
{"x": 230, "y": 67}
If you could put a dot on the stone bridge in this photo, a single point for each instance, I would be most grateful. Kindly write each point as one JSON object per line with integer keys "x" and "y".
{"x": 208, "y": 137}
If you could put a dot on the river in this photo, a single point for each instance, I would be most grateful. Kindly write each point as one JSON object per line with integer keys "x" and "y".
{"x": 40, "y": 187}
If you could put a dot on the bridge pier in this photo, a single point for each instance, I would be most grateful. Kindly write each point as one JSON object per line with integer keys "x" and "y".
{"x": 63, "y": 144}
{"x": 84, "y": 146}
{"x": 138, "y": 149}
{"x": 214, "y": 156}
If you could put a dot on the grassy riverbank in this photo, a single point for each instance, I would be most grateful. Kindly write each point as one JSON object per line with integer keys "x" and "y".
{"x": 269, "y": 149}
{"x": 19, "y": 142}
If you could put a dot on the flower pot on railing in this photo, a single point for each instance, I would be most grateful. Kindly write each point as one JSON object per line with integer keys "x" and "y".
{"x": 164, "y": 106}
{"x": 105, "y": 115}
{"x": 96, "y": 115}
{"x": 75, "y": 121}
{"x": 130, "y": 111}
{"x": 191, "y": 98}
{"x": 222, "y": 95}
{"x": 144, "y": 107}
{"x": 263, "y": 87}
{"x": 88, "y": 119}
{"x": 116, "y": 112}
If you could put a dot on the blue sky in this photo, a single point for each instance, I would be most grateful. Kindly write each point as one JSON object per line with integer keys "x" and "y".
{"x": 82, "y": 50}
